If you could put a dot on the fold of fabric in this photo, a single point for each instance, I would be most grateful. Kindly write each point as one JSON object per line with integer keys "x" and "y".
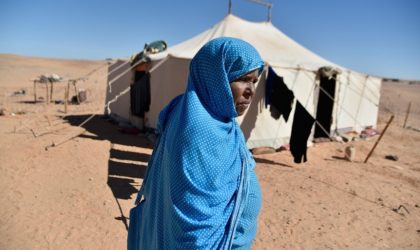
{"x": 198, "y": 180}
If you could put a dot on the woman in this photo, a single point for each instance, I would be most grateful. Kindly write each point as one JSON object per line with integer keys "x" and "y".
{"x": 200, "y": 189}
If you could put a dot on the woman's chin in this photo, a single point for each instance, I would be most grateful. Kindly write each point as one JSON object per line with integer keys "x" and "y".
{"x": 240, "y": 112}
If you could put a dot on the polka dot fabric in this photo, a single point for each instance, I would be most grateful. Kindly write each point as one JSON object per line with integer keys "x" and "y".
{"x": 200, "y": 191}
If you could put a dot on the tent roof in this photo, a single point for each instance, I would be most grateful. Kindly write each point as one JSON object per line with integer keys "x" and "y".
{"x": 275, "y": 47}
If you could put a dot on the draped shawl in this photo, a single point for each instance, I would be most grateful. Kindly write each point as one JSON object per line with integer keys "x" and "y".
{"x": 198, "y": 178}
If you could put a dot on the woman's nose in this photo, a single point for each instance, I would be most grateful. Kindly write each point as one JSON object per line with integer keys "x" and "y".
{"x": 250, "y": 91}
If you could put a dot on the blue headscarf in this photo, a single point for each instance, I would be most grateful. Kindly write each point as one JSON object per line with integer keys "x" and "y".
{"x": 197, "y": 182}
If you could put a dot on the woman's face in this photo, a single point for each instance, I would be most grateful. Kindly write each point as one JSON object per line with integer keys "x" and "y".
{"x": 243, "y": 89}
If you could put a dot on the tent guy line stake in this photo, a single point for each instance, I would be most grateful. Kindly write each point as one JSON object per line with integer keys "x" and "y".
{"x": 54, "y": 144}
{"x": 379, "y": 139}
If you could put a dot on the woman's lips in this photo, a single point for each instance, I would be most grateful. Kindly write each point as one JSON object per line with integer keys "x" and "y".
{"x": 242, "y": 106}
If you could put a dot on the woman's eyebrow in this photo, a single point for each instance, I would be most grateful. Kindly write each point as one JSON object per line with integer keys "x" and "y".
{"x": 246, "y": 78}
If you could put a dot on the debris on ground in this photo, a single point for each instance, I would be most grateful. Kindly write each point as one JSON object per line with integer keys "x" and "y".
{"x": 285, "y": 147}
{"x": 350, "y": 136}
{"x": 350, "y": 153}
{"x": 391, "y": 157}
{"x": 3, "y": 111}
{"x": 322, "y": 139}
{"x": 414, "y": 129}
{"x": 368, "y": 132}
{"x": 20, "y": 92}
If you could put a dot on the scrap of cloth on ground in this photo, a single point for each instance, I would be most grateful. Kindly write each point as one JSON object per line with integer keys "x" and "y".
{"x": 200, "y": 190}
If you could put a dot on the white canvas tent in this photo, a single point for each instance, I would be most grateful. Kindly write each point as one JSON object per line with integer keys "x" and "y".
{"x": 355, "y": 96}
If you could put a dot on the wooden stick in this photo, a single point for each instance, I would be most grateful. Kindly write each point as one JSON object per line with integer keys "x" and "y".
{"x": 379, "y": 139}
{"x": 406, "y": 115}
{"x": 66, "y": 97}
{"x": 33, "y": 132}
{"x": 47, "y": 100}
{"x": 48, "y": 120}
{"x": 51, "y": 91}
{"x": 77, "y": 93}
{"x": 34, "y": 91}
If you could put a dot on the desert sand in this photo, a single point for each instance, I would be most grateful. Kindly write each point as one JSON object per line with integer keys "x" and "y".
{"x": 77, "y": 194}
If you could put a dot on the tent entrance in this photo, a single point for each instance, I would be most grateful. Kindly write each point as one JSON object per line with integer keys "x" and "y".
{"x": 325, "y": 103}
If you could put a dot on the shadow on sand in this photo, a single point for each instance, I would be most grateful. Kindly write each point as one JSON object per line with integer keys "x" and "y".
{"x": 265, "y": 161}
{"x": 125, "y": 168}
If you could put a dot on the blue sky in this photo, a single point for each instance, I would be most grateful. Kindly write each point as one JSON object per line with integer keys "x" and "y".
{"x": 377, "y": 37}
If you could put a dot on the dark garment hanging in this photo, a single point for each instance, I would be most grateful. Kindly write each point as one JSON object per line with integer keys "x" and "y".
{"x": 301, "y": 129}
{"x": 140, "y": 94}
{"x": 278, "y": 96}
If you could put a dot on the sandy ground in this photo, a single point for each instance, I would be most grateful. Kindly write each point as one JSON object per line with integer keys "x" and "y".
{"x": 77, "y": 194}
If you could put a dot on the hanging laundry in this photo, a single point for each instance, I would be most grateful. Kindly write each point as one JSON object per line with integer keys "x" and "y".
{"x": 301, "y": 128}
{"x": 140, "y": 94}
{"x": 278, "y": 96}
